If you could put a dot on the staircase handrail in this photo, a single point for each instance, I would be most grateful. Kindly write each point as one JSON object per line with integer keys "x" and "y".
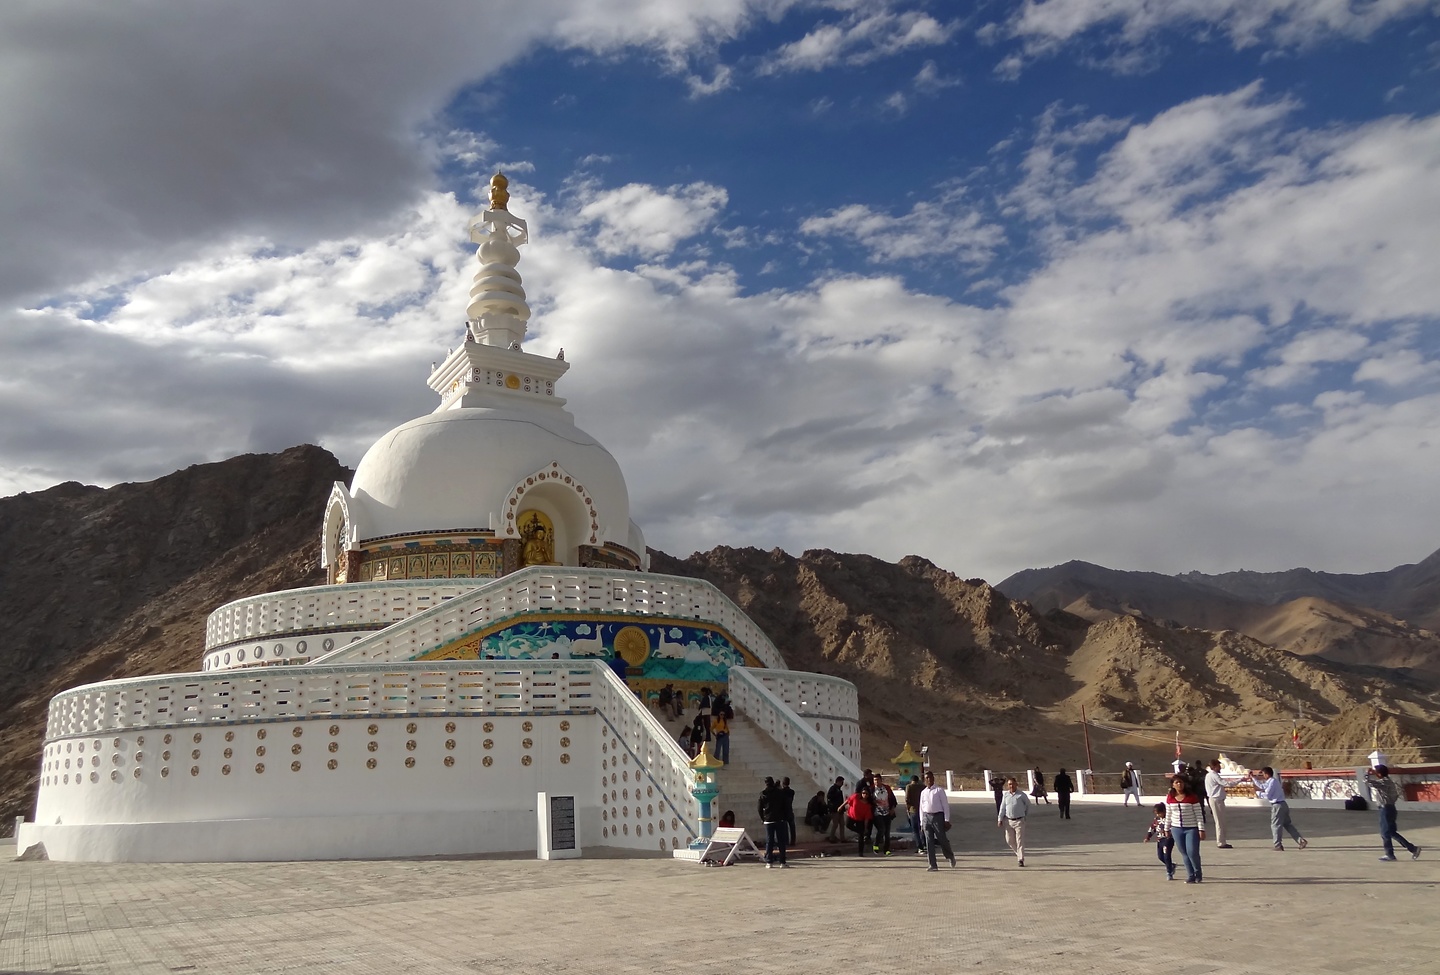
{"x": 459, "y": 616}
{"x": 674, "y": 779}
{"x": 758, "y": 702}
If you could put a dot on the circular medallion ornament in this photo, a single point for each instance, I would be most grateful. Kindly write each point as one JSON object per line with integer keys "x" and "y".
{"x": 229, "y": 736}
{"x": 450, "y": 744}
{"x": 197, "y": 740}
{"x": 259, "y": 734}
{"x": 224, "y": 770}
{"x": 449, "y": 760}
{"x": 373, "y": 729}
{"x": 633, "y": 645}
{"x": 334, "y": 730}
{"x": 334, "y": 746}
{"x": 565, "y": 726}
{"x": 409, "y": 762}
{"x": 527, "y": 726}
{"x": 294, "y": 766}
{"x": 164, "y": 772}
{"x": 295, "y": 749}
{"x": 332, "y": 765}
{"x": 297, "y": 732}
{"x": 488, "y": 743}
{"x": 512, "y": 381}
{"x": 410, "y": 728}
{"x": 564, "y": 742}
{"x": 449, "y": 727}
{"x": 489, "y": 727}
{"x": 489, "y": 761}
{"x": 259, "y": 768}
{"x": 525, "y": 759}
{"x": 370, "y": 763}
{"x": 372, "y": 746}
{"x": 260, "y": 751}
{"x": 564, "y": 758}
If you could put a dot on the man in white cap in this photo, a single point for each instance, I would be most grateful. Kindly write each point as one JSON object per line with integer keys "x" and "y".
{"x": 1130, "y": 784}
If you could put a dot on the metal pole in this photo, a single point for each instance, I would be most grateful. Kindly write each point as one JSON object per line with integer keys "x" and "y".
{"x": 1085, "y": 726}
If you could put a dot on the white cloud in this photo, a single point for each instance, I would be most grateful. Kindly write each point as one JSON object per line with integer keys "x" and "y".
{"x": 858, "y": 39}
{"x": 1047, "y": 25}
{"x": 943, "y": 227}
{"x": 640, "y": 219}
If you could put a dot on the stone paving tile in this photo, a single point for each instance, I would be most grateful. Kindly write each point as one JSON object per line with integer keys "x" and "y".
{"x": 1091, "y": 899}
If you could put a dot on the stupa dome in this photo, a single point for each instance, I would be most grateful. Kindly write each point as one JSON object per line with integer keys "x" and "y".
{"x": 459, "y": 469}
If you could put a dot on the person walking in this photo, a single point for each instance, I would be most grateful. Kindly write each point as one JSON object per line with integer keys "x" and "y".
{"x": 935, "y": 812}
{"x": 913, "y": 788}
{"x": 787, "y": 794}
{"x": 835, "y": 801}
{"x": 1387, "y": 793}
{"x": 860, "y": 813}
{"x": 720, "y": 727}
{"x": 1185, "y": 816}
{"x": 1215, "y": 792}
{"x": 1063, "y": 788}
{"x": 884, "y": 814}
{"x": 1038, "y": 792}
{"x": 1159, "y": 831}
{"x": 997, "y": 786}
{"x": 772, "y": 813}
{"x": 1268, "y": 787}
{"x": 1130, "y": 784}
{"x": 1014, "y": 807}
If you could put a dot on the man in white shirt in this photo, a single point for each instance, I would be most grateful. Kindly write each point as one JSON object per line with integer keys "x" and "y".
{"x": 1268, "y": 787}
{"x": 935, "y": 814}
{"x": 1215, "y": 792}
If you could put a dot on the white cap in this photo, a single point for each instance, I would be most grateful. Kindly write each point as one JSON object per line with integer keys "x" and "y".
{"x": 1129, "y": 764}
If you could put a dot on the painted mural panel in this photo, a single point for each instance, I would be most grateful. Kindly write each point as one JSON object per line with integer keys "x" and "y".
{"x": 654, "y": 649}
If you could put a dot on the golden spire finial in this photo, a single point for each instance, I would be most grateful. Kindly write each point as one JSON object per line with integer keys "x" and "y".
{"x": 499, "y": 196}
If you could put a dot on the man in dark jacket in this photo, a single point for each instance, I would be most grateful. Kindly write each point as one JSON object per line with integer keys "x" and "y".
{"x": 835, "y": 802}
{"x": 788, "y": 794}
{"x": 912, "y": 806}
{"x": 1063, "y": 788}
{"x": 773, "y": 809}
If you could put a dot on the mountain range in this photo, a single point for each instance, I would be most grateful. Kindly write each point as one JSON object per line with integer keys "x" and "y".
{"x": 117, "y": 582}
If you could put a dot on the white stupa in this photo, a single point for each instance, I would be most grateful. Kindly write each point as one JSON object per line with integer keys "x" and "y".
{"x": 485, "y": 578}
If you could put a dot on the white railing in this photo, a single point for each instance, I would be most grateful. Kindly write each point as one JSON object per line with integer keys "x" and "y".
{"x": 447, "y": 686}
{"x": 333, "y": 608}
{"x": 813, "y": 695}
{"x": 541, "y": 589}
{"x": 650, "y": 745}
{"x": 797, "y": 735}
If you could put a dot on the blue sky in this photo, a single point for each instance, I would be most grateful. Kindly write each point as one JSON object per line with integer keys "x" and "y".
{"x": 1001, "y": 284}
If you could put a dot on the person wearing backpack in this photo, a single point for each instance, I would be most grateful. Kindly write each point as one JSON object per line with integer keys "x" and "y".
{"x": 1386, "y": 793}
{"x": 884, "y": 815}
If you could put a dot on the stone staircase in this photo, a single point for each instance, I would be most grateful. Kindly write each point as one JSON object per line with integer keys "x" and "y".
{"x": 754, "y": 755}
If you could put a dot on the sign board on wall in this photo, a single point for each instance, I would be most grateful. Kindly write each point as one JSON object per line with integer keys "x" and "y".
{"x": 558, "y": 830}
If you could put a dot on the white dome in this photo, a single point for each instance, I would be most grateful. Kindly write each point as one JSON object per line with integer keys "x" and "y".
{"x": 456, "y": 469}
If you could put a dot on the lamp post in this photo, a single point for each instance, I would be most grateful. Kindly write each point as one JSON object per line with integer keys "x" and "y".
{"x": 705, "y": 788}
{"x": 908, "y": 764}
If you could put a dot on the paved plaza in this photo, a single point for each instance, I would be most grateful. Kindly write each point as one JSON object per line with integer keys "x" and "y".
{"x": 1091, "y": 899}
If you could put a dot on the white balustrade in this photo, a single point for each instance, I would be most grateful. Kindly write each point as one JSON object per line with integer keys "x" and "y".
{"x": 798, "y": 734}
{"x": 445, "y": 686}
{"x": 651, "y": 745}
{"x": 327, "y": 608}
{"x": 542, "y": 589}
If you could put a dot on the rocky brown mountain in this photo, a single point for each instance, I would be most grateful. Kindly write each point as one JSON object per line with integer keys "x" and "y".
{"x": 117, "y": 582}
{"x": 1310, "y": 613}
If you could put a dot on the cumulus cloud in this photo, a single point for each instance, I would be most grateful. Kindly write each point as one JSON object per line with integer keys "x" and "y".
{"x": 136, "y": 134}
{"x": 641, "y": 219}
